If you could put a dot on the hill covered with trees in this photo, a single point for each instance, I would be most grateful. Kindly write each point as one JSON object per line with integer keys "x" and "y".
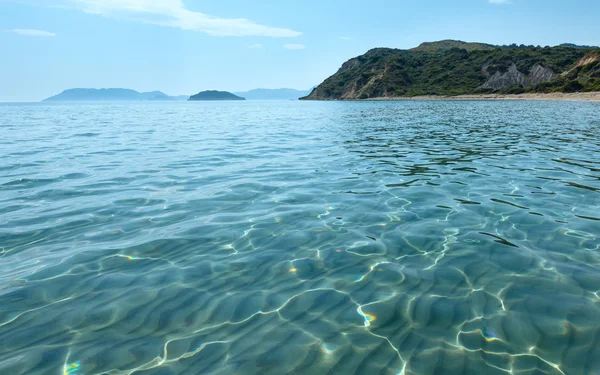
{"x": 456, "y": 68}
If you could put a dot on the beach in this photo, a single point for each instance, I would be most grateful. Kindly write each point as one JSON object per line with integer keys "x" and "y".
{"x": 577, "y": 96}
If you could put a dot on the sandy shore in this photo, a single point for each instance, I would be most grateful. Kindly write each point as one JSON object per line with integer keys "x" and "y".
{"x": 587, "y": 96}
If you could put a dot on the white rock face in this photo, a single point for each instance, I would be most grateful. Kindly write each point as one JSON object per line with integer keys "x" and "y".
{"x": 508, "y": 79}
{"x": 537, "y": 74}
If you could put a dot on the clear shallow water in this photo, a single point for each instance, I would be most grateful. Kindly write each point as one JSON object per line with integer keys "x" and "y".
{"x": 300, "y": 238}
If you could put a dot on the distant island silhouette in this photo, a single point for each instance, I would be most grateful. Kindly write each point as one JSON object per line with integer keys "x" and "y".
{"x": 122, "y": 94}
{"x": 214, "y": 95}
{"x": 111, "y": 94}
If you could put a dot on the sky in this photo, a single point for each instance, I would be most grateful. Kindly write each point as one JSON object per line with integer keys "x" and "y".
{"x": 182, "y": 47}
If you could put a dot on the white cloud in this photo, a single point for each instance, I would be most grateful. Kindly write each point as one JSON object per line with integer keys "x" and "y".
{"x": 293, "y": 46}
{"x": 345, "y": 38}
{"x": 172, "y": 13}
{"x": 499, "y": 1}
{"x": 32, "y": 32}
{"x": 258, "y": 45}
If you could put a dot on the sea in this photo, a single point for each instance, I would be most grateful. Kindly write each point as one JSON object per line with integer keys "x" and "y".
{"x": 293, "y": 237}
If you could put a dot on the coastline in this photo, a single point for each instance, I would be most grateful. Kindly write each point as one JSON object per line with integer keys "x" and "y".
{"x": 576, "y": 96}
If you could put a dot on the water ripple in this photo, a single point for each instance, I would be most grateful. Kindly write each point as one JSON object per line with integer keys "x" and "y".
{"x": 300, "y": 238}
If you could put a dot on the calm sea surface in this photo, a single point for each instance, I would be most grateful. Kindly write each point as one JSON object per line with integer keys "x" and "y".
{"x": 409, "y": 238}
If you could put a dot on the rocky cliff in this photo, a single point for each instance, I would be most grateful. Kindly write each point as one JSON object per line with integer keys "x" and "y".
{"x": 513, "y": 77}
{"x": 455, "y": 68}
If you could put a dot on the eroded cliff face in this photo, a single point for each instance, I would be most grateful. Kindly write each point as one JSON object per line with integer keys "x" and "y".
{"x": 513, "y": 77}
{"x": 590, "y": 59}
{"x": 540, "y": 74}
{"x": 507, "y": 79}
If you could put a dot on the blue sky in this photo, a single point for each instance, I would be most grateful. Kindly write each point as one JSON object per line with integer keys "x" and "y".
{"x": 185, "y": 46}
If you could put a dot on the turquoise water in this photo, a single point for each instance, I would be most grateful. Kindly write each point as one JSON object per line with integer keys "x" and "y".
{"x": 300, "y": 238}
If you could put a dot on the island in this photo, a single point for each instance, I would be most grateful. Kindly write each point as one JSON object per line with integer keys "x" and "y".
{"x": 111, "y": 94}
{"x": 215, "y": 95}
{"x": 452, "y": 68}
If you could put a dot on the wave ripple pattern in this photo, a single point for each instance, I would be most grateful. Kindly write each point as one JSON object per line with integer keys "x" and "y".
{"x": 400, "y": 238}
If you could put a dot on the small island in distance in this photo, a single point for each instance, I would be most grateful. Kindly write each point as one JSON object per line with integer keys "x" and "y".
{"x": 110, "y": 94}
{"x": 214, "y": 95}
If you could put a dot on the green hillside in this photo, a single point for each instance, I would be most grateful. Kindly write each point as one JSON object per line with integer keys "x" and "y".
{"x": 449, "y": 44}
{"x": 441, "y": 68}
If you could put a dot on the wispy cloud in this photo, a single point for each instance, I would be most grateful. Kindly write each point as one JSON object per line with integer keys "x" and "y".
{"x": 294, "y": 46}
{"x": 499, "y": 1}
{"x": 173, "y": 13}
{"x": 258, "y": 45}
{"x": 32, "y": 32}
{"x": 345, "y": 38}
